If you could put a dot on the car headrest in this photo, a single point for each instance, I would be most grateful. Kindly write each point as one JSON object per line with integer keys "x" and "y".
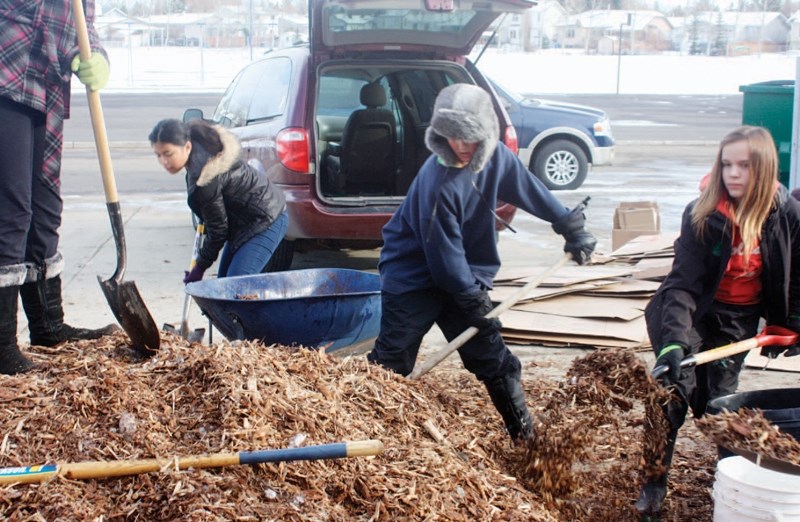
{"x": 372, "y": 95}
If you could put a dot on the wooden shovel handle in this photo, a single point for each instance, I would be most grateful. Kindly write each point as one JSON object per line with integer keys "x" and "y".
{"x": 120, "y": 468}
{"x": 770, "y": 336}
{"x": 725, "y": 351}
{"x": 95, "y": 109}
{"x": 434, "y": 359}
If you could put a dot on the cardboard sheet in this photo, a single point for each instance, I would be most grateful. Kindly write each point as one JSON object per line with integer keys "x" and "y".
{"x": 633, "y": 288}
{"x": 567, "y": 275}
{"x": 575, "y": 326}
{"x": 647, "y": 245}
{"x": 784, "y": 364}
{"x": 626, "y": 309}
{"x": 501, "y": 293}
{"x": 568, "y": 341}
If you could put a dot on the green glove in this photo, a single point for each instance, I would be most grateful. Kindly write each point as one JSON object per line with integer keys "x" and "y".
{"x": 92, "y": 72}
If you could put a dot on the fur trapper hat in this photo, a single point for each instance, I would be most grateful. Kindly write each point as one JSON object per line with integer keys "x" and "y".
{"x": 463, "y": 112}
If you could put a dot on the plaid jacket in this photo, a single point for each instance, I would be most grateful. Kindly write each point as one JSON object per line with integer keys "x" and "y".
{"x": 38, "y": 44}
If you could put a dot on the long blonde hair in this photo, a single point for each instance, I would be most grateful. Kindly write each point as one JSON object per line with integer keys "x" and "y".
{"x": 755, "y": 205}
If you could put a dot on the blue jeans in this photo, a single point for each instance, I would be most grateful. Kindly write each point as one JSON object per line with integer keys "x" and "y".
{"x": 253, "y": 256}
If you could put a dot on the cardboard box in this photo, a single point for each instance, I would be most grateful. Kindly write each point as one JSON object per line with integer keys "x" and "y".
{"x": 633, "y": 219}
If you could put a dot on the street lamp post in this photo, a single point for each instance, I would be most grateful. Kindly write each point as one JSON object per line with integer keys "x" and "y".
{"x": 619, "y": 49}
{"x": 250, "y": 32}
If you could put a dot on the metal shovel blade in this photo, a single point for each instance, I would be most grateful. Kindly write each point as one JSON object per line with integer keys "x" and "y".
{"x": 123, "y": 297}
{"x": 132, "y": 314}
{"x": 766, "y": 462}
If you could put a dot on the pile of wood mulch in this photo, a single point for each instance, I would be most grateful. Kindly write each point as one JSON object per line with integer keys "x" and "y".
{"x": 446, "y": 456}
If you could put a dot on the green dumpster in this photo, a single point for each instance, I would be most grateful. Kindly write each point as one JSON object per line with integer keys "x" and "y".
{"x": 769, "y": 105}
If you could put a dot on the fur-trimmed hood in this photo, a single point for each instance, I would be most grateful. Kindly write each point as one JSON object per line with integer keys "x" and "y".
{"x": 463, "y": 112}
{"x": 222, "y": 162}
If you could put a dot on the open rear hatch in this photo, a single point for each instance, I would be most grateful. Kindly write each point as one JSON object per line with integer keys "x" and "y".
{"x": 441, "y": 28}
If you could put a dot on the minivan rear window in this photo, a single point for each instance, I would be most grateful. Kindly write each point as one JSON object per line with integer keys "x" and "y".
{"x": 357, "y": 25}
{"x": 342, "y": 19}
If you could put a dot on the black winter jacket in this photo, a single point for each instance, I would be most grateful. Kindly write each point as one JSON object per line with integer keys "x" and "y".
{"x": 688, "y": 291}
{"x": 232, "y": 199}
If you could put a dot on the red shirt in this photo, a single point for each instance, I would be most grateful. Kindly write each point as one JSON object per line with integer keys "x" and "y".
{"x": 741, "y": 283}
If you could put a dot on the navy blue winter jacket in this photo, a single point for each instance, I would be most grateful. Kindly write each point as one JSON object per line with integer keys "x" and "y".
{"x": 443, "y": 234}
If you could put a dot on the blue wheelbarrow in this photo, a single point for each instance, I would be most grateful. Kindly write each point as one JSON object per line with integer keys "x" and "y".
{"x": 321, "y": 307}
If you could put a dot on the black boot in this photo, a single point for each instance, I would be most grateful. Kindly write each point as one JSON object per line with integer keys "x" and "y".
{"x": 654, "y": 491}
{"x": 42, "y": 303}
{"x": 12, "y": 361}
{"x": 507, "y": 396}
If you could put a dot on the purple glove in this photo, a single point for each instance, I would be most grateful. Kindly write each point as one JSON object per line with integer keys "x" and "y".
{"x": 195, "y": 274}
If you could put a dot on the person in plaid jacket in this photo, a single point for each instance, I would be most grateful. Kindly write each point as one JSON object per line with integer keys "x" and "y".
{"x": 37, "y": 58}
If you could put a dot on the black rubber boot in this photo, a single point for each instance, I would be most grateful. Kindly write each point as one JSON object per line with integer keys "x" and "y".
{"x": 42, "y": 303}
{"x": 509, "y": 399}
{"x": 12, "y": 360}
{"x": 654, "y": 491}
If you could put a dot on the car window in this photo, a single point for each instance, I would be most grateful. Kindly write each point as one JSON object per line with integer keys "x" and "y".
{"x": 339, "y": 96}
{"x": 260, "y": 92}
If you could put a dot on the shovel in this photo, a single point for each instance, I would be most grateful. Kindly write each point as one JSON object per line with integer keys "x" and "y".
{"x": 769, "y": 336}
{"x": 121, "y": 468}
{"x": 122, "y": 297}
{"x": 470, "y": 332}
{"x": 197, "y": 334}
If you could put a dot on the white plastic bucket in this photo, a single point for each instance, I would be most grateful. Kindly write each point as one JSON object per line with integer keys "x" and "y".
{"x": 744, "y": 492}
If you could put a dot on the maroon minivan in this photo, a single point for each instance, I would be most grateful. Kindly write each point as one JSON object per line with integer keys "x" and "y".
{"x": 339, "y": 123}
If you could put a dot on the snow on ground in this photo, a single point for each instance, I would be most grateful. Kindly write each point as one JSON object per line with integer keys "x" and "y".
{"x": 553, "y": 71}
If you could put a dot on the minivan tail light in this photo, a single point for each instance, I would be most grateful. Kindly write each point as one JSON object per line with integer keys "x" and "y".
{"x": 510, "y": 139}
{"x": 292, "y": 148}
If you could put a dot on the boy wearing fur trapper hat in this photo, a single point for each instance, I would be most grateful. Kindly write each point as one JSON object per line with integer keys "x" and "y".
{"x": 440, "y": 255}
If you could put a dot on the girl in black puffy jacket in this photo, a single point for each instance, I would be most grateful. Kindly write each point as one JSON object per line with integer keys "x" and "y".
{"x": 737, "y": 260}
{"x": 243, "y": 212}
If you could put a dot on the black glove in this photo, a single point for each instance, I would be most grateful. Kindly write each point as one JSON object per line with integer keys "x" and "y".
{"x": 772, "y": 352}
{"x": 671, "y": 356}
{"x": 580, "y": 242}
{"x": 475, "y": 305}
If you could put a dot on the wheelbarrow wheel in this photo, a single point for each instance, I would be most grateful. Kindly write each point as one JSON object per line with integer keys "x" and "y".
{"x": 282, "y": 257}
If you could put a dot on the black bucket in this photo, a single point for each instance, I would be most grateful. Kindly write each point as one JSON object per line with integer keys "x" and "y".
{"x": 781, "y": 407}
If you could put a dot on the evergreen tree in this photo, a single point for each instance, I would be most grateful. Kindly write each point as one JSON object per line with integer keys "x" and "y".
{"x": 694, "y": 36}
{"x": 720, "y": 44}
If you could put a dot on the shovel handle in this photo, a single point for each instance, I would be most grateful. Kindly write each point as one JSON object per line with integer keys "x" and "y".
{"x": 95, "y": 109}
{"x": 433, "y": 360}
{"x": 770, "y": 336}
{"x": 121, "y": 468}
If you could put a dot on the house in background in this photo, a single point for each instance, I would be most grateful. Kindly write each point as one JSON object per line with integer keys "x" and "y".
{"x": 541, "y": 21}
{"x": 735, "y": 31}
{"x": 507, "y": 31}
{"x": 599, "y": 31}
{"x": 116, "y": 29}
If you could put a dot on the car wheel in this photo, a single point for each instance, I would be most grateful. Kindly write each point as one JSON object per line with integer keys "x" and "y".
{"x": 561, "y": 165}
{"x": 282, "y": 257}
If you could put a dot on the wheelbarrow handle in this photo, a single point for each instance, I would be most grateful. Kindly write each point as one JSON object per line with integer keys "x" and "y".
{"x": 770, "y": 336}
